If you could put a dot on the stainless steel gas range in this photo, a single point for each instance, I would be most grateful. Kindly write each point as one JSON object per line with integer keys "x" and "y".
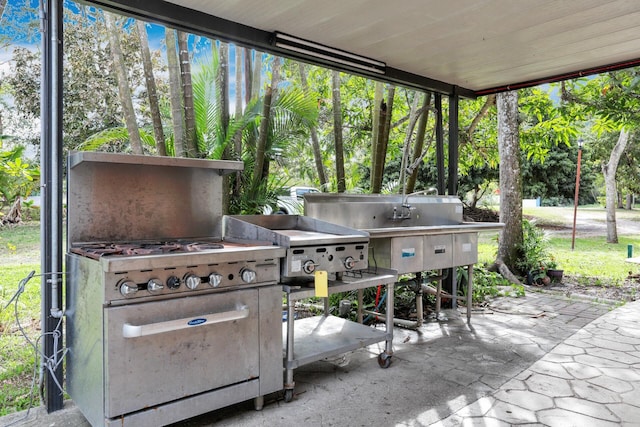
{"x": 165, "y": 320}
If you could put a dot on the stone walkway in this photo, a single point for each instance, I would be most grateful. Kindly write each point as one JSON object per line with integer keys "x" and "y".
{"x": 591, "y": 379}
{"x": 541, "y": 360}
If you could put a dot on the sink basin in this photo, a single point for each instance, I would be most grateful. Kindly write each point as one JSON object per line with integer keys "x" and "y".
{"x": 374, "y": 211}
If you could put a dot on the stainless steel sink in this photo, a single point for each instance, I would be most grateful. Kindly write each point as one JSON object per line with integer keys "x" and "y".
{"x": 409, "y": 234}
{"x": 372, "y": 211}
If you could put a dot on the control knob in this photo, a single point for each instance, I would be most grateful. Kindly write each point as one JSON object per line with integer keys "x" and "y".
{"x": 247, "y": 275}
{"x": 349, "y": 262}
{"x": 191, "y": 281}
{"x": 215, "y": 279}
{"x": 173, "y": 282}
{"x": 154, "y": 286}
{"x": 128, "y": 288}
{"x": 309, "y": 266}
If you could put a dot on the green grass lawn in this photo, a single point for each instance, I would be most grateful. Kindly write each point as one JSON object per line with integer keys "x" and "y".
{"x": 592, "y": 257}
{"x": 19, "y": 254}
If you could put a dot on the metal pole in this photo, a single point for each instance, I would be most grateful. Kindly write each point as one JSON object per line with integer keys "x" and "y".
{"x": 575, "y": 199}
{"x": 51, "y": 213}
{"x": 439, "y": 144}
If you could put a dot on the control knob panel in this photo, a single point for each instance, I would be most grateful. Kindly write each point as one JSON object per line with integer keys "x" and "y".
{"x": 248, "y": 275}
{"x": 155, "y": 286}
{"x": 191, "y": 281}
{"x": 128, "y": 288}
{"x": 215, "y": 279}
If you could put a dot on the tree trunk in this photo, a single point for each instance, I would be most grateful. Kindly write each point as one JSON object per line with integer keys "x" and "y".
{"x": 414, "y": 115}
{"x": 491, "y": 100}
{"x": 237, "y": 138}
{"x": 383, "y": 139}
{"x": 261, "y": 167}
{"x": 248, "y": 83}
{"x": 628, "y": 202}
{"x": 510, "y": 178}
{"x": 124, "y": 91}
{"x": 315, "y": 143}
{"x": 256, "y": 80}
{"x": 175, "y": 95}
{"x": 337, "y": 132}
{"x": 187, "y": 94}
{"x": 609, "y": 172}
{"x": 419, "y": 145}
{"x": 152, "y": 92}
{"x": 377, "y": 166}
{"x": 378, "y": 99}
{"x": 223, "y": 79}
{"x": 14, "y": 216}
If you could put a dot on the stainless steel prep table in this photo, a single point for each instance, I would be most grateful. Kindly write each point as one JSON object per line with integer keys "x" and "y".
{"x": 315, "y": 338}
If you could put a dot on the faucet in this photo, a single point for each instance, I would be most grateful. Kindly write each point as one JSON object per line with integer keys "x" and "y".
{"x": 405, "y": 208}
{"x": 405, "y": 212}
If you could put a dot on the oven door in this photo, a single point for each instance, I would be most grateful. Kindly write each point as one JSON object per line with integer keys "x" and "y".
{"x": 160, "y": 351}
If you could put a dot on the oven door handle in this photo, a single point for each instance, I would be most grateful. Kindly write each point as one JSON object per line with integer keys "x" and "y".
{"x": 134, "y": 331}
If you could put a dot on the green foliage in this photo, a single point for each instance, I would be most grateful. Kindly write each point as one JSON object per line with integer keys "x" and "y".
{"x": 486, "y": 284}
{"x": 18, "y": 178}
{"x": 554, "y": 179}
{"x": 534, "y": 252}
{"x": 17, "y": 355}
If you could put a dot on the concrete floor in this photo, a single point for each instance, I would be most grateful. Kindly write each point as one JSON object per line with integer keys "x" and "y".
{"x": 541, "y": 360}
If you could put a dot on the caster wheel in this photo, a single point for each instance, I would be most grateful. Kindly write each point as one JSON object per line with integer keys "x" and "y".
{"x": 384, "y": 360}
{"x": 288, "y": 395}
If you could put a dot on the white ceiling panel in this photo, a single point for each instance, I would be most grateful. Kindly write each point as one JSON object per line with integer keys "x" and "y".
{"x": 479, "y": 45}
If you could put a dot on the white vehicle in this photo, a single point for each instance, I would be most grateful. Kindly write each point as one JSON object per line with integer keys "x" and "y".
{"x": 293, "y": 202}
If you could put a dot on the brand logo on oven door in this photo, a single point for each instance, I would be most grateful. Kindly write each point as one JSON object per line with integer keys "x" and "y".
{"x": 196, "y": 322}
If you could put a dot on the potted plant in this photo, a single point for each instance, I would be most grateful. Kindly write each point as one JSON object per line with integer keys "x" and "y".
{"x": 554, "y": 273}
{"x": 538, "y": 276}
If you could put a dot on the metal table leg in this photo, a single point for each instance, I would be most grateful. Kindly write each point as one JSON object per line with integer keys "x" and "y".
{"x": 469, "y": 291}
{"x": 384, "y": 359}
{"x": 288, "y": 383}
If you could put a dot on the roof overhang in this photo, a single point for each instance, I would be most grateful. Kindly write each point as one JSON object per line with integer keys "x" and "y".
{"x": 461, "y": 47}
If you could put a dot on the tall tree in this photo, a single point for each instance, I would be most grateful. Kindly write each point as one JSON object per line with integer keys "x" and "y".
{"x": 384, "y": 129}
{"x": 510, "y": 237}
{"x": 175, "y": 97}
{"x": 123, "y": 84}
{"x": 414, "y": 115}
{"x": 187, "y": 94}
{"x": 223, "y": 85}
{"x": 248, "y": 76}
{"x": 611, "y": 104}
{"x": 152, "y": 93}
{"x": 337, "y": 131}
{"x": 609, "y": 171}
{"x": 3, "y": 4}
{"x": 261, "y": 166}
{"x": 256, "y": 79}
{"x": 376, "y": 114}
{"x": 315, "y": 142}
{"x": 418, "y": 149}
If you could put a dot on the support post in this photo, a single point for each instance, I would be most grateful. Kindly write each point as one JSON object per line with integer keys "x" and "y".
{"x": 439, "y": 144}
{"x": 51, "y": 13}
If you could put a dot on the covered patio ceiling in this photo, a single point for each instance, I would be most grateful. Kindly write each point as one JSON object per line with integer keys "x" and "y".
{"x": 464, "y": 47}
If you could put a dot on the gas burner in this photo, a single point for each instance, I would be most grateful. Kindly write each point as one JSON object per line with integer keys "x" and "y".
{"x": 98, "y": 250}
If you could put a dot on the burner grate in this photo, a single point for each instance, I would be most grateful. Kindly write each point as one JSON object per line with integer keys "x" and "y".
{"x": 98, "y": 250}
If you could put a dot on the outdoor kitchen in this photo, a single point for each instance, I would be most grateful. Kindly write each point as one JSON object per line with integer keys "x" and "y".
{"x": 174, "y": 310}
{"x": 159, "y": 304}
